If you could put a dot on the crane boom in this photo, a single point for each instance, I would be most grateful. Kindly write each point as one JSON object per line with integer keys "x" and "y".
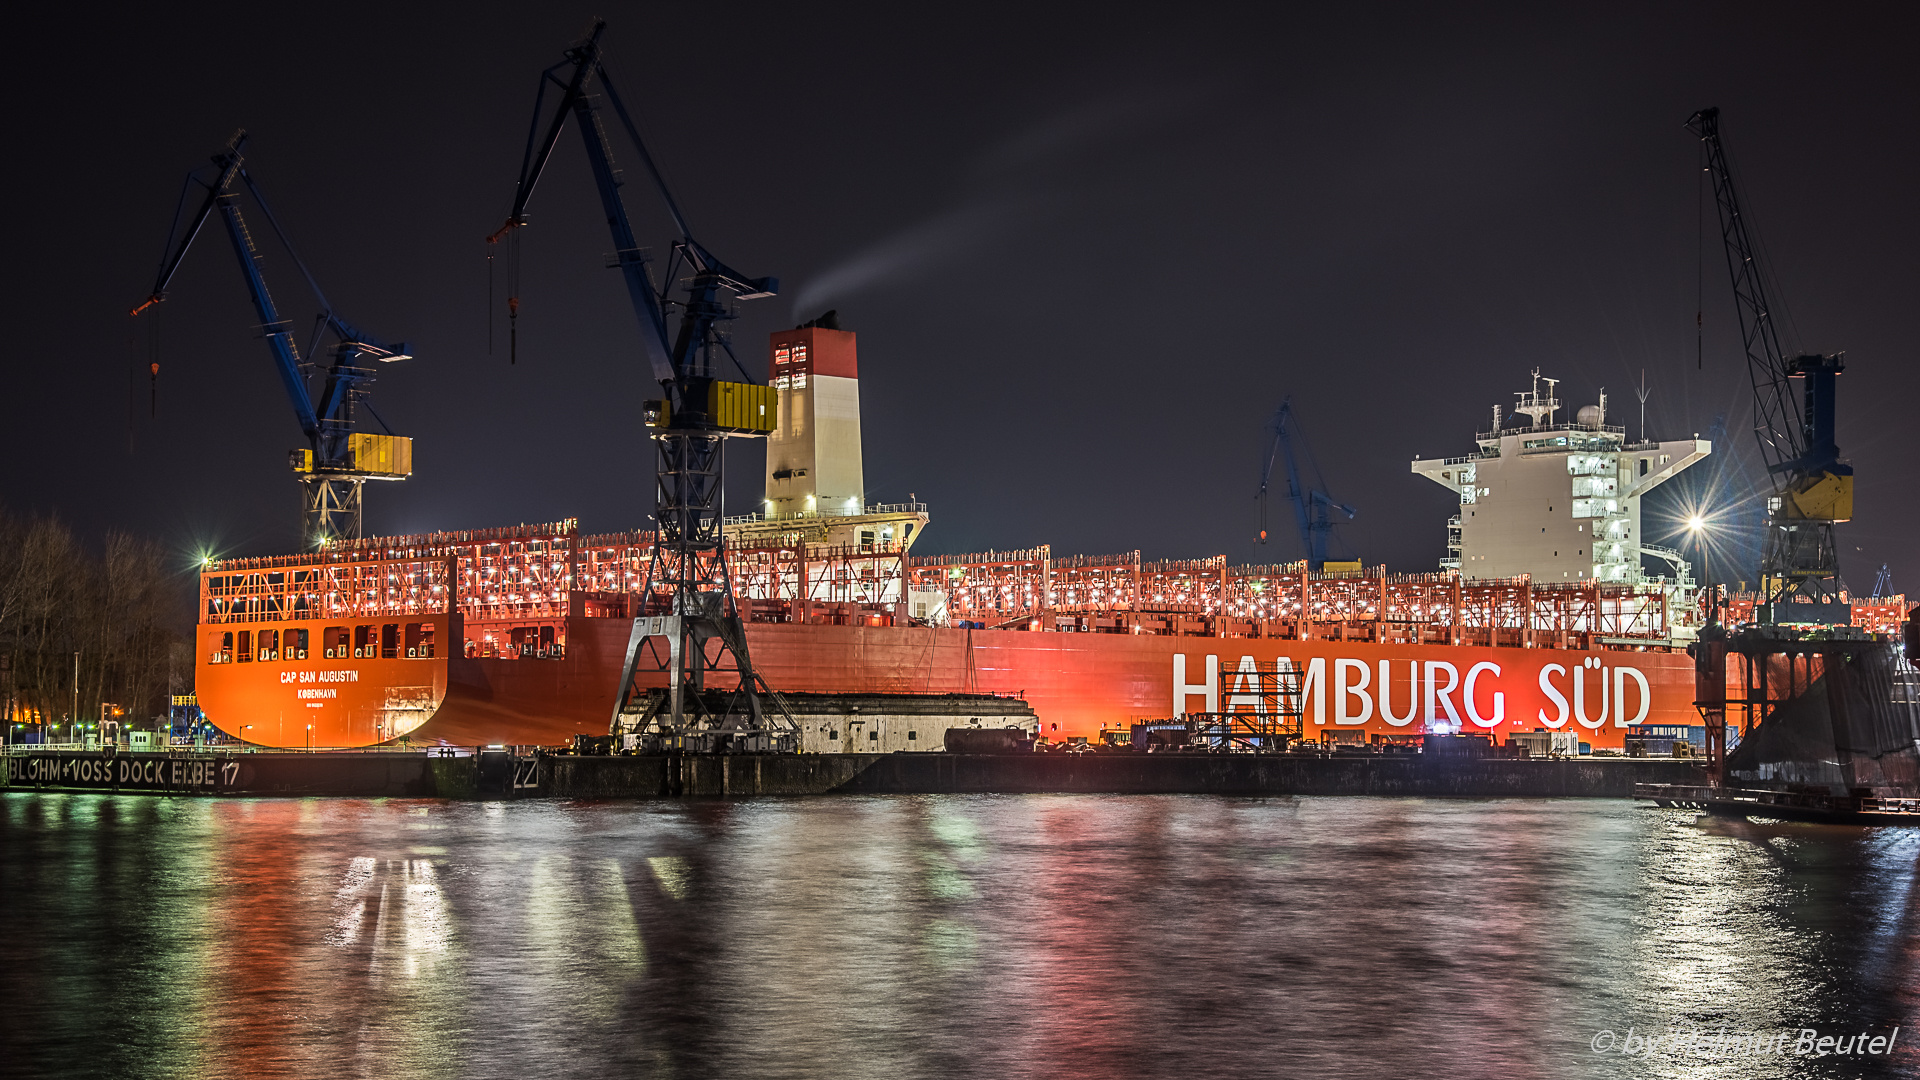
{"x": 674, "y": 358}
{"x": 1775, "y": 423}
{"x": 332, "y": 468}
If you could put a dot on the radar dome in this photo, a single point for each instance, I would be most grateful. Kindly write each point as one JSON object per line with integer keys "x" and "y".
{"x": 1588, "y": 414}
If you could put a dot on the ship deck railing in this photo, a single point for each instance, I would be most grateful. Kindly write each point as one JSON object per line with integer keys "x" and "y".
{"x": 828, "y": 512}
{"x": 1556, "y": 427}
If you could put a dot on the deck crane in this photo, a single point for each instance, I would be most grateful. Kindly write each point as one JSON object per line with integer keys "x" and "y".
{"x": 338, "y": 460}
{"x": 1812, "y": 487}
{"x": 1313, "y": 508}
{"x": 687, "y": 605}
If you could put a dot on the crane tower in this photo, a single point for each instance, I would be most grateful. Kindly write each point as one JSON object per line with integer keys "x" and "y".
{"x": 1812, "y": 486}
{"x": 687, "y": 631}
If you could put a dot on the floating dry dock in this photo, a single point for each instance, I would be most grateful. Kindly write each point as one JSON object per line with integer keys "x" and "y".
{"x": 1793, "y": 805}
{"x": 505, "y": 774}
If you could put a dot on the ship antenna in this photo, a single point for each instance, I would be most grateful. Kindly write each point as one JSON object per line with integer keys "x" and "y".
{"x": 1642, "y": 392}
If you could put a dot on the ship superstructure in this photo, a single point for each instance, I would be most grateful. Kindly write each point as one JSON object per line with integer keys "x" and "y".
{"x": 1557, "y": 500}
{"x": 816, "y": 478}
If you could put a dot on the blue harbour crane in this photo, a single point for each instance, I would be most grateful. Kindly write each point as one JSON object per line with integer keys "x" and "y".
{"x": 1313, "y": 508}
{"x": 687, "y": 625}
{"x": 338, "y": 459}
{"x": 1793, "y": 395}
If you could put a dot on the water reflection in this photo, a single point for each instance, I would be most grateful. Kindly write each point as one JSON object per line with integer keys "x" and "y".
{"x": 935, "y": 936}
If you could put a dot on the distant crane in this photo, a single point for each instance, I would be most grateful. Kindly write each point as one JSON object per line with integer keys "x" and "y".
{"x": 1313, "y": 508}
{"x": 337, "y": 460}
{"x": 688, "y": 597}
{"x": 1812, "y": 488}
{"x": 1883, "y": 582}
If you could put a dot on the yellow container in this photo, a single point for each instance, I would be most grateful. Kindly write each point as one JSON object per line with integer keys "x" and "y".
{"x": 381, "y": 455}
{"x": 743, "y": 406}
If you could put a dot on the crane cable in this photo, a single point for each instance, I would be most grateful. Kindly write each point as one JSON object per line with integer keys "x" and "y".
{"x": 513, "y": 297}
{"x": 133, "y": 375}
{"x": 513, "y": 293}
{"x": 1699, "y": 265}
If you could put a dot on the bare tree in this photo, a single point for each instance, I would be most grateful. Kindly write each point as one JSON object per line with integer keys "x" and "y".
{"x": 121, "y": 611}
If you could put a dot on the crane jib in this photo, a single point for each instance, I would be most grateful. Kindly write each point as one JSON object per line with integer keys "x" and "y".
{"x": 674, "y": 357}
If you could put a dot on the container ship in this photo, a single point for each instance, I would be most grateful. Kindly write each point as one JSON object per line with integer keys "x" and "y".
{"x": 1540, "y": 618}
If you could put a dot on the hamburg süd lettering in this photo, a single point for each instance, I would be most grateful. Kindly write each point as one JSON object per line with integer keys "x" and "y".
{"x": 1440, "y": 695}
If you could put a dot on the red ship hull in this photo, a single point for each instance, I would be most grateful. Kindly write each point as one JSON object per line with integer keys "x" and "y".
{"x": 1078, "y": 684}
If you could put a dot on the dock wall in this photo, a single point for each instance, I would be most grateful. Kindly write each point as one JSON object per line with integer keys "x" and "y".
{"x": 418, "y": 775}
{"x": 1139, "y": 774}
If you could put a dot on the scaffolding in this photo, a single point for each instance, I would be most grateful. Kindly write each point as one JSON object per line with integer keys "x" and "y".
{"x": 532, "y": 579}
{"x": 1263, "y": 709}
{"x": 1125, "y": 594}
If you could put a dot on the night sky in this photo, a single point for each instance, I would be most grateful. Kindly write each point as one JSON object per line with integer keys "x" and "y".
{"x": 1087, "y": 250}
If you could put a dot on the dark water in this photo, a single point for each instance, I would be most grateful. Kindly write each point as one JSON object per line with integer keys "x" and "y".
{"x": 939, "y": 936}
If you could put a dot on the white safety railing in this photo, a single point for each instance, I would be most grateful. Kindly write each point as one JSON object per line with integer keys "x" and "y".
{"x": 804, "y": 515}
